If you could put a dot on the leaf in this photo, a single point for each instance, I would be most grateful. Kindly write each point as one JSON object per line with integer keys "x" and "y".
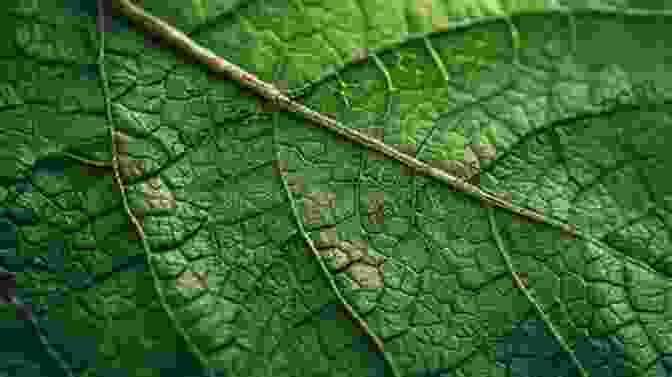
{"x": 230, "y": 238}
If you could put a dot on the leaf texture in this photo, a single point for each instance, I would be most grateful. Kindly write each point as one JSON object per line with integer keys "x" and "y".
{"x": 284, "y": 249}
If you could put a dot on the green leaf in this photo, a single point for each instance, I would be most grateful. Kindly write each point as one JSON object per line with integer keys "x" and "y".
{"x": 271, "y": 246}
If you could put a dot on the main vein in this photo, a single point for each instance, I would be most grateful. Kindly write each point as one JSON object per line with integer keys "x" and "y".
{"x": 268, "y": 91}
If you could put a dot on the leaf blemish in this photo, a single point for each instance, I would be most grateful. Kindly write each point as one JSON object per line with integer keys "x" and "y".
{"x": 315, "y": 202}
{"x": 376, "y": 207}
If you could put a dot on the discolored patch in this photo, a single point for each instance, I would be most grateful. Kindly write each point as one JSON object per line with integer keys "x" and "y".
{"x": 358, "y": 250}
{"x": 315, "y": 203}
{"x": 376, "y": 207}
{"x": 484, "y": 151}
{"x": 568, "y": 233}
{"x": 323, "y": 199}
{"x": 339, "y": 259}
{"x": 423, "y": 8}
{"x": 157, "y": 197}
{"x": 192, "y": 280}
{"x": 279, "y": 167}
{"x": 469, "y": 167}
{"x": 440, "y": 22}
{"x": 130, "y": 168}
{"x": 294, "y": 182}
{"x": 328, "y": 237}
{"x": 360, "y": 54}
{"x": 352, "y": 257}
{"x": 465, "y": 168}
{"x": 365, "y": 276}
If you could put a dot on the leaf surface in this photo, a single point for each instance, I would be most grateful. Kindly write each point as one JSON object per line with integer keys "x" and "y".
{"x": 284, "y": 249}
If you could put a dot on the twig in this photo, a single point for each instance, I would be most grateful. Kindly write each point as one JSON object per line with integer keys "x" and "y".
{"x": 220, "y": 65}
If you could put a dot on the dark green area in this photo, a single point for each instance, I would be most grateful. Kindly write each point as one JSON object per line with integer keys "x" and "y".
{"x": 531, "y": 351}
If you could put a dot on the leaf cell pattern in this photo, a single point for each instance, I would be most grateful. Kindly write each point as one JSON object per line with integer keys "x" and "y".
{"x": 265, "y": 229}
{"x": 530, "y": 350}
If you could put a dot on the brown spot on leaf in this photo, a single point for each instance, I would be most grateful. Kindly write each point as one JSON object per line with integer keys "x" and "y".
{"x": 568, "y": 232}
{"x": 192, "y": 280}
{"x": 364, "y": 268}
{"x": 360, "y": 54}
{"x": 280, "y": 166}
{"x": 358, "y": 251}
{"x": 355, "y": 249}
{"x": 324, "y": 199}
{"x": 469, "y": 167}
{"x": 376, "y": 207}
{"x": 130, "y": 168}
{"x": 365, "y": 275}
{"x": 328, "y": 237}
{"x": 484, "y": 151}
{"x": 354, "y": 256}
{"x": 156, "y": 197}
{"x": 339, "y": 259}
{"x": 471, "y": 161}
{"x": 294, "y": 182}
{"x": 315, "y": 202}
